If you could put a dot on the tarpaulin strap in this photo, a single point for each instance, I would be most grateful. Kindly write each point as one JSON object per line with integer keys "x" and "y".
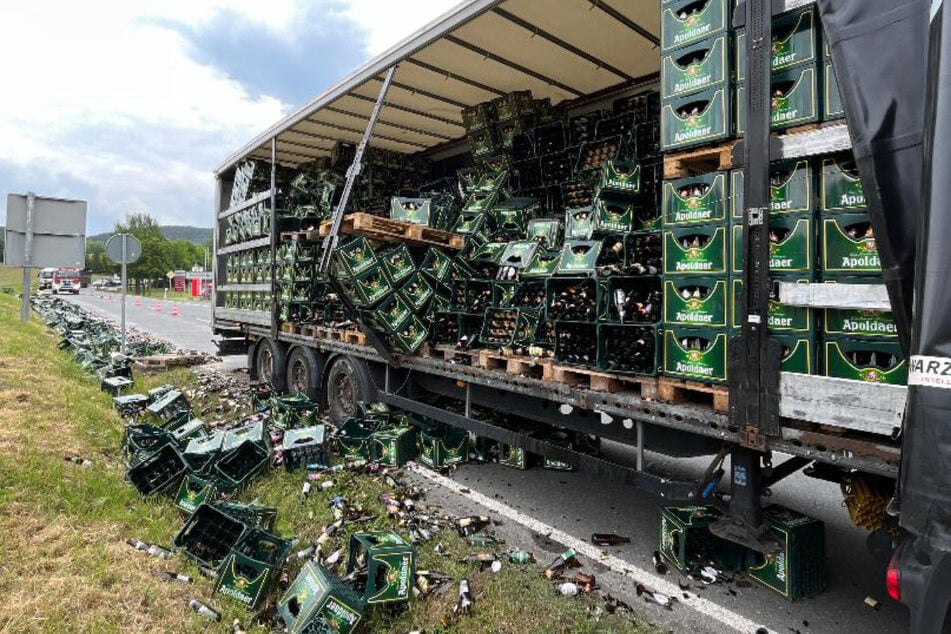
{"x": 907, "y": 11}
{"x": 862, "y": 149}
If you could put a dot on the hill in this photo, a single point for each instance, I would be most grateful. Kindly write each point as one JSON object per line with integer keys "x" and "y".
{"x": 195, "y": 235}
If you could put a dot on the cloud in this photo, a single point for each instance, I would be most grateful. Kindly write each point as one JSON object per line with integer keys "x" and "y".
{"x": 131, "y": 105}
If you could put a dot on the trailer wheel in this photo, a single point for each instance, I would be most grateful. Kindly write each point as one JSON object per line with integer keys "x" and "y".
{"x": 253, "y": 360}
{"x": 303, "y": 373}
{"x": 271, "y": 364}
{"x": 346, "y": 383}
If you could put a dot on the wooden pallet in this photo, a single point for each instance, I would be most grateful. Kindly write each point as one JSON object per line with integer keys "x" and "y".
{"x": 517, "y": 365}
{"x": 699, "y": 161}
{"x": 387, "y": 230}
{"x": 644, "y": 386}
{"x": 450, "y": 353}
{"x": 678, "y": 392}
{"x": 354, "y": 336}
{"x": 166, "y": 361}
{"x": 290, "y": 329}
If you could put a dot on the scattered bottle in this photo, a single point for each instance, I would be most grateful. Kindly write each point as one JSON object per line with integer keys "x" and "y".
{"x": 174, "y": 576}
{"x": 78, "y": 460}
{"x": 568, "y": 589}
{"x": 304, "y": 492}
{"x": 561, "y": 562}
{"x": 203, "y": 610}
{"x": 464, "y": 604}
{"x": 471, "y": 525}
{"x": 237, "y": 628}
{"x": 521, "y": 557}
{"x": 609, "y": 539}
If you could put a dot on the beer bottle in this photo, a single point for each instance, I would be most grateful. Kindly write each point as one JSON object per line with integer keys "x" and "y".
{"x": 560, "y": 563}
{"x": 157, "y": 551}
{"x": 203, "y": 610}
{"x": 237, "y": 628}
{"x": 608, "y": 539}
{"x": 471, "y": 525}
{"x": 585, "y": 582}
{"x": 568, "y": 589}
{"x": 464, "y": 604}
{"x": 521, "y": 557}
{"x": 174, "y": 576}
{"x": 304, "y": 492}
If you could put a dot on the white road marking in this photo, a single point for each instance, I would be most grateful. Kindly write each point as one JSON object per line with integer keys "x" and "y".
{"x": 204, "y": 321}
{"x": 708, "y": 608}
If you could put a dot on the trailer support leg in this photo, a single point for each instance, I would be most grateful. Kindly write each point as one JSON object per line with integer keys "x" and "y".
{"x": 640, "y": 445}
{"x": 744, "y": 523}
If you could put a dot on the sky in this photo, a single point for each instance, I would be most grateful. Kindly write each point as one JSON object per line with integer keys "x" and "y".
{"x": 130, "y": 105}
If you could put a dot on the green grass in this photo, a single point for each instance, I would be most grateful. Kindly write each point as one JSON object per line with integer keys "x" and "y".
{"x": 64, "y": 566}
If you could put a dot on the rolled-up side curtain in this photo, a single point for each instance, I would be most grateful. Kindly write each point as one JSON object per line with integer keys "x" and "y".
{"x": 879, "y": 50}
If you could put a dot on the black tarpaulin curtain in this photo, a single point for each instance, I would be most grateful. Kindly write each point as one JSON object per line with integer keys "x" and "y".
{"x": 926, "y": 448}
{"x": 879, "y": 51}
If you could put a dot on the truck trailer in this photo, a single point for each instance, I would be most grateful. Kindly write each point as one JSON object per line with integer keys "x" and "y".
{"x": 627, "y": 220}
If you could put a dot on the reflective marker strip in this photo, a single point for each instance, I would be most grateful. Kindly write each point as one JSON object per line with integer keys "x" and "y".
{"x": 930, "y": 371}
{"x": 706, "y": 607}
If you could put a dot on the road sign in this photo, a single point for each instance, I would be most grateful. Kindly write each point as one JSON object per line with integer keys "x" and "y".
{"x": 124, "y": 249}
{"x": 133, "y": 248}
{"x": 43, "y": 232}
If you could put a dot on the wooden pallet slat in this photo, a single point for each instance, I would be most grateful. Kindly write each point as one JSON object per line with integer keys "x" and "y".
{"x": 699, "y": 161}
{"x": 389, "y": 230}
{"x": 678, "y": 392}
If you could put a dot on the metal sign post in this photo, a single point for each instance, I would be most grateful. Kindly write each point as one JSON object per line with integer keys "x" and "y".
{"x": 123, "y": 249}
{"x": 27, "y": 258}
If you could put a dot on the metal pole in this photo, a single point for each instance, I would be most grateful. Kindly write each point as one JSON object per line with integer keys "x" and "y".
{"x": 27, "y": 258}
{"x": 274, "y": 235}
{"x": 125, "y": 242}
{"x": 640, "y": 445}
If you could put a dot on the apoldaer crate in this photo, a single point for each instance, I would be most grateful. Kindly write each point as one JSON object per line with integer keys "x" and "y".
{"x": 543, "y": 264}
{"x": 702, "y": 66}
{"x": 696, "y": 199}
{"x": 799, "y": 353}
{"x": 698, "y": 119}
{"x": 193, "y": 492}
{"x": 781, "y": 318}
{"x": 443, "y": 446}
{"x": 791, "y": 240}
{"x": 859, "y": 323}
{"x": 398, "y": 263}
{"x": 392, "y": 313}
{"x": 579, "y": 223}
{"x": 415, "y": 210}
{"x": 249, "y": 570}
{"x": 417, "y": 292}
{"x": 160, "y": 471}
{"x": 794, "y": 42}
{"x": 790, "y": 189}
{"x": 687, "y": 21}
{"x": 579, "y": 257}
{"x": 794, "y": 99}
{"x": 698, "y": 354}
{"x": 301, "y": 447}
{"x": 799, "y": 569}
{"x": 546, "y": 231}
{"x": 368, "y": 288}
{"x": 687, "y": 543}
{"x": 356, "y": 256}
{"x": 832, "y": 108}
{"x": 849, "y": 247}
{"x": 863, "y": 360}
{"x": 390, "y": 562}
{"x": 840, "y": 187}
{"x": 470, "y": 223}
{"x": 620, "y": 179}
{"x": 209, "y": 535}
{"x": 613, "y": 215}
{"x": 318, "y": 601}
{"x": 411, "y": 337}
{"x": 695, "y": 301}
{"x": 700, "y": 250}
{"x": 393, "y": 447}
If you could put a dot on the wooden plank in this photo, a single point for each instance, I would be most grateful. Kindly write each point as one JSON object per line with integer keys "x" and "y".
{"x": 699, "y": 161}
{"x": 677, "y": 392}
{"x": 818, "y": 295}
{"x": 855, "y": 405}
{"x": 389, "y": 230}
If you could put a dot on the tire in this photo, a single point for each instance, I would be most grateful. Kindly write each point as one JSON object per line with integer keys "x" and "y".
{"x": 271, "y": 364}
{"x": 253, "y": 360}
{"x": 303, "y": 373}
{"x": 345, "y": 384}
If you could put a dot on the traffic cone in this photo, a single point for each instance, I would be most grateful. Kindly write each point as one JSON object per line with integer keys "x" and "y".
{"x": 157, "y": 307}
{"x": 138, "y": 301}
{"x": 174, "y": 310}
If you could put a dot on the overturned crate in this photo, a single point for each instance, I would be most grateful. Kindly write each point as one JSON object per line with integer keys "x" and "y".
{"x": 319, "y": 602}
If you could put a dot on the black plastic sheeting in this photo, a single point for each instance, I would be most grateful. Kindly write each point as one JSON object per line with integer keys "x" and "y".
{"x": 926, "y": 448}
{"x": 879, "y": 51}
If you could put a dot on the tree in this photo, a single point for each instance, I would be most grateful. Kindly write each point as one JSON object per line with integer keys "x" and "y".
{"x": 97, "y": 262}
{"x": 155, "y": 261}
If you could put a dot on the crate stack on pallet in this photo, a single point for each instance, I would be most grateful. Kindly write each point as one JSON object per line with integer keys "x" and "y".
{"x": 697, "y": 89}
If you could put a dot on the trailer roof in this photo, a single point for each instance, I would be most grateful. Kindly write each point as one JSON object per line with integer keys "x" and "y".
{"x": 481, "y": 49}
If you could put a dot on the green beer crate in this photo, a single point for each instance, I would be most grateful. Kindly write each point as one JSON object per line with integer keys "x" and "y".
{"x": 390, "y": 563}
{"x": 613, "y": 291}
{"x": 865, "y": 360}
{"x": 684, "y": 22}
{"x": 158, "y": 472}
{"x": 479, "y": 202}
{"x": 781, "y": 318}
{"x": 514, "y": 457}
{"x": 613, "y": 215}
{"x": 795, "y": 41}
{"x": 209, "y": 535}
{"x": 795, "y": 99}
{"x": 436, "y": 265}
{"x": 691, "y": 69}
{"x": 187, "y": 431}
{"x": 700, "y": 250}
{"x": 193, "y": 492}
{"x": 394, "y": 446}
{"x": 470, "y": 224}
{"x": 840, "y": 188}
{"x": 698, "y": 354}
{"x": 249, "y": 432}
{"x": 548, "y": 232}
{"x": 579, "y": 257}
{"x": 249, "y": 570}
{"x": 398, "y": 263}
{"x": 510, "y": 326}
{"x": 203, "y": 452}
{"x": 170, "y": 408}
{"x": 301, "y": 447}
{"x": 503, "y": 293}
{"x": 354, "y": 441}
{"x": 392, "y": 314}
{"x": 253, "y": 515}
{"x": 790, "y": 188}
{"x": 415, "y": 210}
{"x": 411, "y": 337}
{"x": 543, "y": 264}
{"x": 513, "y": 214}
{"x": 799, "y": 353}
{"x": 368, "y": 288}
{"x": 519, "y": 254}
{"x": 443, "y": 446}
{"x": 417, "y": 291}
{"x": 699, "y": 119}
{"x": 848, "y": 247}
{"x": 696, "y": 301}
{"x": 799, "y": 569}
{"x": 840, "y": 322}
{"x": 620, "y": 179}
{"x": 832, "y": 106}
{"x": 579, "y": 223}
{"x": 791, "y": 246}
{"x": 319, "y": 602}
{"x": 356, "y": 256}
{"x": 687, "y": 543}
{"x": 236, "y": 469}
{"x": 645, "y": 361}
{"x": 696, "y": 199}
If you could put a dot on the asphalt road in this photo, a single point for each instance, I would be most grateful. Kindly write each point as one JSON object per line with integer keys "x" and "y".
{"x": 581, "y": 504}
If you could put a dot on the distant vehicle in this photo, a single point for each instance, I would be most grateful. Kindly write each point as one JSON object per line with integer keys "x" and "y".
{"x": 46, "y": 279}
{"x": 67, "y": 281}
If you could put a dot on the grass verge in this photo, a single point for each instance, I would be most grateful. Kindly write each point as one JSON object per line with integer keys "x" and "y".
{"x": 64, "y": 566}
